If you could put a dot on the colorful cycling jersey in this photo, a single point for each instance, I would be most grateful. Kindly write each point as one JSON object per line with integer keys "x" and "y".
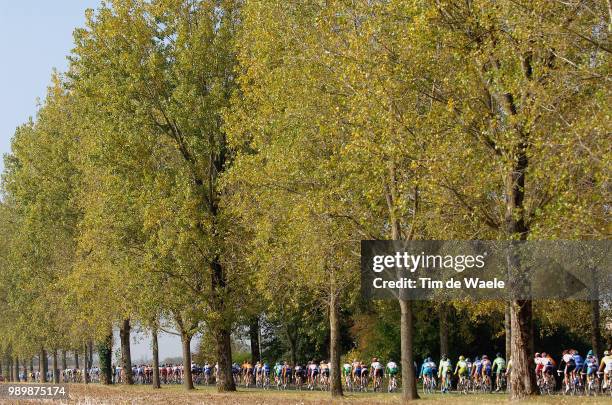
{"x": 444, "y": 368}
{"x": 485, "y": 366}
{"x": 478, "y": 366}
{"x": 428, "y": 368}
{"x": 568, "y": 359}
{"x": 277, "y": 370}
{"x": 499, "y": 364}
{"x": 376, "y": 366}
{"x": 578, "y": 360}
{"x": 461, "y": 368}
{"x": 591, "y": 364}
{"x": 346, "y": 369}
{"x": 392, "y": 367}
{"x": 608, "y": 362}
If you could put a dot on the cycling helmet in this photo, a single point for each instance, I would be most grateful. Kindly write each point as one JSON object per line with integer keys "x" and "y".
{"x": 461, "y": 358}
{"x": 606, "y": 353}
{"x": 498, "y": 355}
{"x": 590, "y": 353}
{"x": 468, "y": 359}
{"x": 537, "y": 355}
{"x": 484, "y": 356}
{"x": 428, "y": 359}
{"x": 476, "y": 358}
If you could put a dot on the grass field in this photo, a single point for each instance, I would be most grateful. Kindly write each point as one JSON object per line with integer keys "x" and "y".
{"x": 98, "y": 394}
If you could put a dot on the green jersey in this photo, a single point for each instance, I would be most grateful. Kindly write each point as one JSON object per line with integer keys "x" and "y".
{"x": 499, "y": 364}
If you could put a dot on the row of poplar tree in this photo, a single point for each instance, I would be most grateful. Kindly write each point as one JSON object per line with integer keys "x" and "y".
{"x": 203, "y": 162}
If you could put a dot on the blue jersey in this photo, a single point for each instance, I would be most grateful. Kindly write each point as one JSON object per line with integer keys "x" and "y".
{"x": 578, "y": 360}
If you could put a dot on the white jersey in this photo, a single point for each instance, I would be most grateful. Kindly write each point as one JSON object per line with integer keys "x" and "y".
{"x": 376, "y": 366}
{"x": 391, "y": 365}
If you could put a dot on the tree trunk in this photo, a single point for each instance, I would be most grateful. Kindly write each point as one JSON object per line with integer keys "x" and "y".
{"x": 16, "y": 369}
{"x": 56, "y": 377}
{"x": 596, "y": 341}
{"x": 186, "y": 342}
{"x": 126, "y": 357}
{"x": 25, "y": 370}
{"x": 409, "y": 390}
{"x": 85, "y": 365}
{"x": 508, "y": 329}
{"x": 292, "y": 338}
{"x": 64, "y": 360}
{"x": 43, "y": 365}
{"x": 90, "y": 356}
{"x": 334, "y": 345}
{"x": 76, "y": 359}
{"x": 224, "y": 356}
{"x": 156, "y": 382}
{"x": 254, "y": 337}
{"x": 443, "y": 328}
{"x": 222, "y": 332}
{"x": 105, "y": 351}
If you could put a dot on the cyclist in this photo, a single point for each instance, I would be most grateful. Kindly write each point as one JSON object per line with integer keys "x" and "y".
{"x": 258, "y": 373}
{"x": 461, "y": 370}
{"x": 579, "y": 364}
{"x": 300, "y": 376}
{"x": 476, "y": 370}
{"x": 606, "y": 368}
{"x": 499, "y": 367}
{"x": 590, "y": 366}
{"x": 357, "y": 373}
{"x": 364, "y": 377}
{"x": 428, "y": 370}
{"x": 313, "y": 371}
{"x": 444, "y": 369}
{"x": 346, "y": 373}
{"x": 377, "y": 373}
{"x": 392, "y": 372}
{"x": 485, "y": 365}
{"x": 567, "y": 366}
{"x": 207, "y": 373}
{"x": 265, "y": 371}
{"x": 247, "y": 372}
{"x": 286, "y": 374}
{"x": 278, "y": 371}
{"x": 324, "y": 367}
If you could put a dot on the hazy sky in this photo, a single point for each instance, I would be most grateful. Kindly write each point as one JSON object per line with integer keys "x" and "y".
{"x": 37, "y": 37}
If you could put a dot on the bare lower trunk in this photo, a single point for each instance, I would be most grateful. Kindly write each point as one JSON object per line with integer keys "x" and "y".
{"x": 222, "y": 332}
{"x": 334, "y": 345}
{"x": 56, "y": 376}
{"x": 105, "y": 351}
{"x": 292, "y": 338}
{"x": 85, "y": 365}
{"x": 76, "y": 359}
{"x": 443, "y": 328}
{"x": 409, "y": 391}
{"x": 186, "y": 342}
{"x": 508, "y": 330}
{"x": 254, "y": 337}
{"x": 126, "y": 356}
{"x": 522, "y": 377}
{"x": 16, "y": 369}
{"x": 25, "y": 370}
{"x": 64, "y": 360}
{"x": 596, "y": 342}
{"x": 43, "y": 365}
{"x": 156, "y": 382}
{"x": 224, "y": 356}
